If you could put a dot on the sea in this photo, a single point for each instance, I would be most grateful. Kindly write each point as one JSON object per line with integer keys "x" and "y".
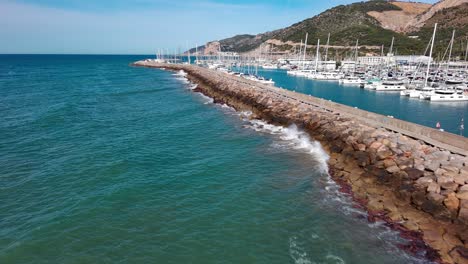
{"x": 102, "y": 162}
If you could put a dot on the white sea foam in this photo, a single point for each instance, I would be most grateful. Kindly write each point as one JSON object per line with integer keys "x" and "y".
{"x": 180, "y": 73}
{"x": 335, "y": 259}
{"x": 183, "y": 80}
{"x": 292, "y": 137}
{"x": 181, "y": 76}
{"x": 206, "y": 99}
{"x": 297, "y": 252}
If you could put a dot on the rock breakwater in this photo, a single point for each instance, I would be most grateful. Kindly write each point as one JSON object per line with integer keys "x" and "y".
{"x": 415, "y": 184}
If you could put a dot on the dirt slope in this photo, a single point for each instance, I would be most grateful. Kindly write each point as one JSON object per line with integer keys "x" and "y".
{"x": 398, "y": 20}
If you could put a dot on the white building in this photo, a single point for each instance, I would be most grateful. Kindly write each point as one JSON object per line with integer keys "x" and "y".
{"x": 347, "y": 65}
{"x": 412, "y": 59}
{"x": 327, "y": 65}
{"x": 388, "y": 60}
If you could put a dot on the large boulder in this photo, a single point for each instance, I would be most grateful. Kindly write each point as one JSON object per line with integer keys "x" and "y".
{"x": 384, "y": 152}
{"x": 463, "y": 214}
{"x": 451, "y": 202}
{"x": 414, "y": 174}
{"x": 462, "y": 195}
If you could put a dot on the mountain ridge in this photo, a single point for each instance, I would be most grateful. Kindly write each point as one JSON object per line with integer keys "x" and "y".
{"x": 374, "y": 23}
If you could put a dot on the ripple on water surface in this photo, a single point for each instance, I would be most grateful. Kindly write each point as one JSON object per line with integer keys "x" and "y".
{"x": 105, "y": 163}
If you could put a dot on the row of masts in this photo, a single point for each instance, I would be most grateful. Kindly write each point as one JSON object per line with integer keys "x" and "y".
{"x": 302, "y": 55}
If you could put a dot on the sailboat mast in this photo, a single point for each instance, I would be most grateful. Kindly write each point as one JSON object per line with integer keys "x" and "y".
{"x": 451, "y": 46}
{"x": 317, "y": 55}
{"x": 305, "y": 50}
{"x": 300, "y": 51}
{"x": 391, "y": 46}
{"x": 326, "y": 51}
{"x": 356, "y": 55}
{"x": 430, "y": 55}
{"x": 466, "y": 54}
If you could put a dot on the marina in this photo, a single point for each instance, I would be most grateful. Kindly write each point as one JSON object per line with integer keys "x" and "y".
{"x": 222, "y": 131}
{"x": 395, "y": 79}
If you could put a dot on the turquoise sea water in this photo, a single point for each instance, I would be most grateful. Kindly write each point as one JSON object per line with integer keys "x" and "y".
{"x": 105, "y": 163}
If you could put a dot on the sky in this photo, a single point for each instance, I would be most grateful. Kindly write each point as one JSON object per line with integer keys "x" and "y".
{"x": 141, "y": 26}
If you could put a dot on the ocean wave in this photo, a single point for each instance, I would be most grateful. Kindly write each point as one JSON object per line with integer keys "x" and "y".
{"x": 297, "y": 253}
{"x": 206, "y": 99}
{"x": 180, "y": 73}
{"x": 293, "y": 137}
{"x": 183, "y": 80}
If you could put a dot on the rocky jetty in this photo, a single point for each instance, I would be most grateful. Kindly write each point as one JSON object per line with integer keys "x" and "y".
{"x": 416, "y": 187}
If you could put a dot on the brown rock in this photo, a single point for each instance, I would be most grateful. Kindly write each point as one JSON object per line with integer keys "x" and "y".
{"x": 424, "y": 181}
{"x": 418, "y": 197}
{"x": 451, "y": 169}
{"x": 386, "y": 142}
{"x": 432, "y": 165}
{"x": 354, "y": 177}
{"x": 451, "y": 186}
{"x": 452, "y": 202}
{"x": 375, "y": 145}
{"x": 463, "y": 214}
{"x": 435, "y": 207}
{"x": 462, "y": 195}
{"x": 460, "y": 254}
{"x": 414, "y": 173}
{"x": 410, "y": 225}
{"x": 439, "y": 172}
{"x": 361, "y": 147}
{"x": 435, "y": 197}
{"x": 362, "y": 158}
{"x": 433, "y": 187}
{"x": 460, "y": 179}
{"x": 389, "y": 163}
{"x": 375, "y": 205}
{"x": 395, "y": 216}
{"x": 464, "y": 171}
{"x": 419, "y": 167}
{"x": 444, "y": 179}
{"x": 394, "y": 169}
{"x": 384, "y": 153}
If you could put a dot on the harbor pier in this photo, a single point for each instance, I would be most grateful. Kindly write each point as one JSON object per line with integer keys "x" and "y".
{"x": 414, "y": 178}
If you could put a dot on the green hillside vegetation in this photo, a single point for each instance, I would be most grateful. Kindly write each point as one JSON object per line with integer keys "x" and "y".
{"x": 347, "y": 23}
{"x": 449, "y": 19}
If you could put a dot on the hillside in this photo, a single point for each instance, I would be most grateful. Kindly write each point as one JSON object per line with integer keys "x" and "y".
{"x": 449, "y": 19}
{"x": 399, "y": 20}
{"x": 423, "y": 19}
{"x": 374, "y": 23}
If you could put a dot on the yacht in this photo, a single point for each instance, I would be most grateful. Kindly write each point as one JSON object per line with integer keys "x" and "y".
{"x": 269, "y": 66}
{"x": 351, "y": 80}
{"x": 371, "y": 84}
{"x": 331, "y": 76}
{"x": 447, "y": 95}
{"x": 391, "y": 85}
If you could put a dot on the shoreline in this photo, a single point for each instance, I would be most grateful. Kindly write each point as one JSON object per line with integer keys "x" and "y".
{"x": 383, "y": 177}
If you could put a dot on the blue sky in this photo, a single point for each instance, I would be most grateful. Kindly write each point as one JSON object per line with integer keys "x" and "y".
{"x": 140, "y": 26}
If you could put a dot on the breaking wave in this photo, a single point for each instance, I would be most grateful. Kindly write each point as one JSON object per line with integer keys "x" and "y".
{"x": 293, "y": 137}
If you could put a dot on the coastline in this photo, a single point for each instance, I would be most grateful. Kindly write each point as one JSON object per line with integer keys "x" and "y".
{"x": 384, "y": 171}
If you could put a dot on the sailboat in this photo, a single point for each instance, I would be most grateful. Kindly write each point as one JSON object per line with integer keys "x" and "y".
{"x": 448, "y": 94}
